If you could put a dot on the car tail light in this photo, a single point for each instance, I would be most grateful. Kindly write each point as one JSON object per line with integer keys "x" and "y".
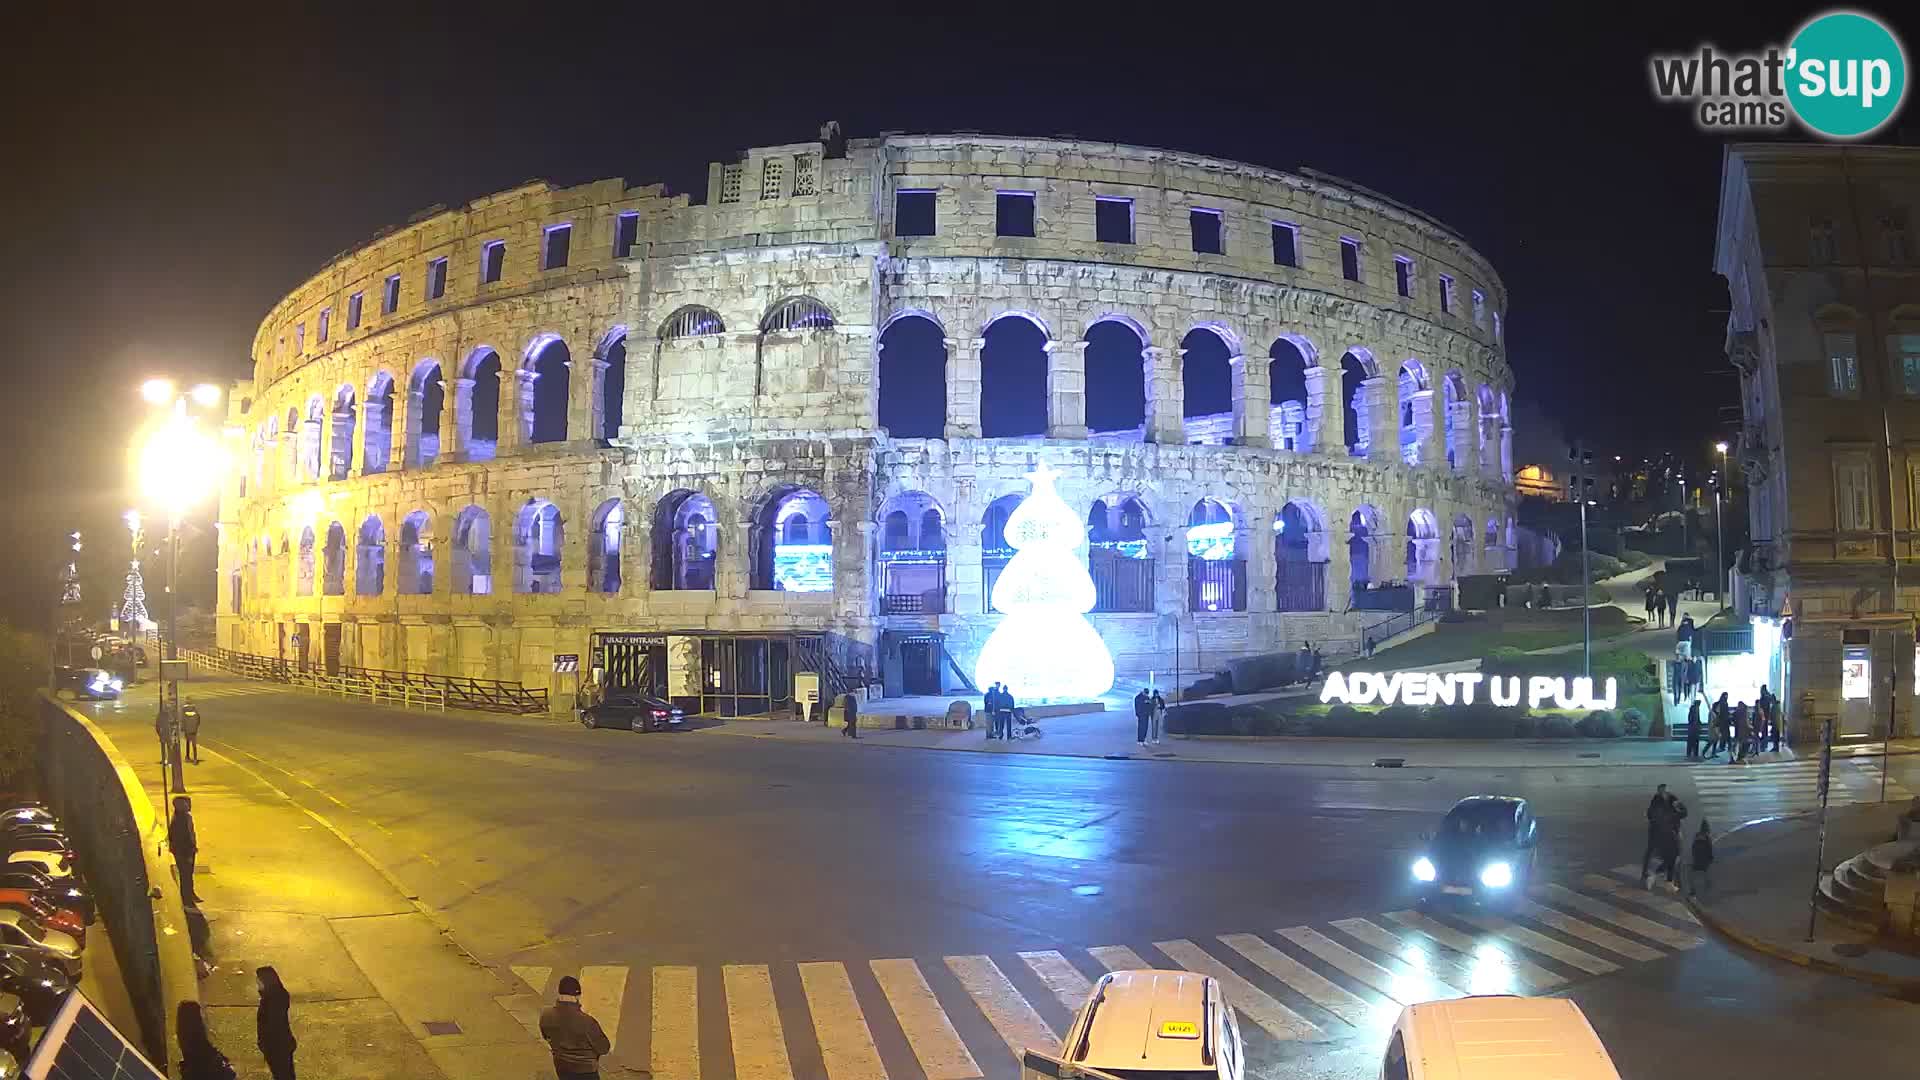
{"x": 659, "y": 714}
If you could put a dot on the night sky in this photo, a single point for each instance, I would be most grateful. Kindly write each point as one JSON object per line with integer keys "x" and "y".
{"x": 170, "y": 175}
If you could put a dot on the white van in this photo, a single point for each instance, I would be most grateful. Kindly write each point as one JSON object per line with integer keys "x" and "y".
{"x": 1496, "y": 1037}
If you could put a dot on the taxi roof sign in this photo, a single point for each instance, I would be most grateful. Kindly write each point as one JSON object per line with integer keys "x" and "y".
{"x": 1179, "y": 1029}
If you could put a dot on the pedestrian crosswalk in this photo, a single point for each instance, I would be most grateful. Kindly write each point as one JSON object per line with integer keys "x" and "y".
{"x": 968, "y": 1017}
{"x": 208, "y": 691}
{"x": 1733, "y": 795}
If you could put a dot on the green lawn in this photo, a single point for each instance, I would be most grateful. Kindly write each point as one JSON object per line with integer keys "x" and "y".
{"x": 1474, "y": 639}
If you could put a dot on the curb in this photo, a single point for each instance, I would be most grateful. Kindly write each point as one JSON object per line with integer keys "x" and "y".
{"x": 1907, "y": 987}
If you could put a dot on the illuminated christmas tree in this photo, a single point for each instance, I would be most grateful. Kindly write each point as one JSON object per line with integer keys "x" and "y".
{"x": 133, "y": 602}
{"x": 1045, "y": 649}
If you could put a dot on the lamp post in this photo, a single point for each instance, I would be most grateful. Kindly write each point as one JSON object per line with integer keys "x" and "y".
{"x": 178, "y": 464}
{"x": 1719, "y": 533}
{"x": 1580, "y": 487}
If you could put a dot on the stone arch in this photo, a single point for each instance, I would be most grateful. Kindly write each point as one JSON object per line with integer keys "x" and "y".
{"x": 1423, "y": 547}
{"x": 426, "y": 402}
{"x": 291, "y": 439}
{"x": 793, "y": 541}
{"x": 795, "y": 314}
{"x": 476, "y": 404}
{"x": 691, "y": 320}
{"x": 995, "y": 551}
{"x": 1206, "y": 381}
{"x": 610, "y": 384}
{"x": 546, "y": 372}
{"x": 303, "y": 572}
{"x": 1489, "y": 408}
{"x": 416, "y": 554}
{"x": 913, "y": 555}
{"x": 604, "y": 544}
{"x": 333, "y": 578}
{"x": 1301, "y": 551}
{"x": 310, "y": 438}
{"x": 539, "y": 541}
{"x": 1013, "y": 376}
{"x": 376, "y": 450}
{"x": 1295, "y": 420}
{"x": 1461, "y": 550}
{"x": 268, "y": 465}
{"x": 912, "y": 375}
{"x": 1357, "y": 371}
{"x": 472, "y": 552}
{"x": 1116, "y": 377}
{"x": 1216, "y": 560}
{"x": 1416, "y": 409}
{"x": 1364, "y": 538}
{"x": 370, "y": 562}
{"x": 686, "y": 542}
{"x": 1454, "y": 400}
{"x": 342, "y": 418}
{"x": 1120, "y": 552}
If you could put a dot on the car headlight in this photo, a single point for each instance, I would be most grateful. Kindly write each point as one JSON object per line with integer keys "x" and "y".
{"x": 117, "y": 684}
{"x": 1423, "y": 869}
{"x": 1497, "y": 875}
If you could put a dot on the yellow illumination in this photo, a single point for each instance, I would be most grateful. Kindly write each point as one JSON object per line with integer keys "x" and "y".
{"x": 179, "y": 464}
{"x": 157, "y": 391}
{"x": 206, "y": 395}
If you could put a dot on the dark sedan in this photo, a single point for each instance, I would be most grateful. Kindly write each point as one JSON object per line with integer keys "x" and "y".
{"x": 41, "y": 985}
{"x": 63, "y": 892}
{"x": 1485, "y": 851}
{"x": 88, "y": 684}
{"x": 633, "y": 711}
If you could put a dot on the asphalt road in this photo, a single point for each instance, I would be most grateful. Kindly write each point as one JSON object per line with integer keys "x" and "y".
{"x": 552, "y": 849}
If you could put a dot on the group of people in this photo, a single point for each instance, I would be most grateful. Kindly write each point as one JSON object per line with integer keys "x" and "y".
{"x": 998, "y": 704}
{"x": 187, "y": 726}
{"x": 1740, "y": 731}
{"x": 1149, "y": 717}
{"x": 1666, "y": 814}
{"x": 273, "y": 1034}
{"x": 1663, "y": 607}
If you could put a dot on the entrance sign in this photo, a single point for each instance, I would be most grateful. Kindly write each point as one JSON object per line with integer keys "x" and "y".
{"x": 1856, "y": 673}
{"x": 1463, "y": 688}
{"x": 566, "y": 661}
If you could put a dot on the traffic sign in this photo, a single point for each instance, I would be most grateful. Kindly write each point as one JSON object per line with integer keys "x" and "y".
{"x": 564, "y": 662}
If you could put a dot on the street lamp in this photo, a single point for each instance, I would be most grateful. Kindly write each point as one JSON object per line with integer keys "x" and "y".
{"x": 1719, "y": 534}
{"x": 178, "y": 465}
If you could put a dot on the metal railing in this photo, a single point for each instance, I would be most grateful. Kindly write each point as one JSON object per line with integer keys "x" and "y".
{"x": 409, "y": 689}
{"x": 1372, "y": 636}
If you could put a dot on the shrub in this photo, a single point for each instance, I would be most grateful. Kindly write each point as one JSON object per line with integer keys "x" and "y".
{"x": 1599, "y": 724}
{"x": 1556, "y": 727}
{"x": 1198, "y": 718}
{"x": 1632, "y": 721}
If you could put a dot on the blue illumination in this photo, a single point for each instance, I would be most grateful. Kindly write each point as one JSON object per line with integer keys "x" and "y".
{"x": 1211, "y": 541}
{"x": 803, "y": 567}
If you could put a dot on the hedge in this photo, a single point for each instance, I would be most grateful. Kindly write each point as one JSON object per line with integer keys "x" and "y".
{"x": 1477, "y": 721}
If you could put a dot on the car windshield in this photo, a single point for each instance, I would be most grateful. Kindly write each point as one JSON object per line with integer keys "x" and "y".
{"x": 26, "y": 928}
{"x": 1487, "y": 821}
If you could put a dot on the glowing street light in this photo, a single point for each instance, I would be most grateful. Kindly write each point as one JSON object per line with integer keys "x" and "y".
{"x": 157, "y": 391}
{"x": 205, "y": 395}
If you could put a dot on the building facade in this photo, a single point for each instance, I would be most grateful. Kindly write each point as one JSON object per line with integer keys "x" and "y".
{"x": 578, "y": 420}
{"x": 1816, "y": 244}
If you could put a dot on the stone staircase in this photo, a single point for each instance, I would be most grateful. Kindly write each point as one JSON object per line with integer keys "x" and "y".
{"x": 1856, "y": 891}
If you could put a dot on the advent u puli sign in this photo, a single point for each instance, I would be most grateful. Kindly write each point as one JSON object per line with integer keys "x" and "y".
{"x": 1464, "y": 688}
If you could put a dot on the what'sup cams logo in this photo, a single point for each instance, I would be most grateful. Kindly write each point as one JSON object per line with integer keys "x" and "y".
{"x": 1842, "y": 76}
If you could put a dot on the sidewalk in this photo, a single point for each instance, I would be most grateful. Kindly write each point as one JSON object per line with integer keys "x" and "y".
{"x": 1762, "y": 882}
{"x": 368, "y": 968}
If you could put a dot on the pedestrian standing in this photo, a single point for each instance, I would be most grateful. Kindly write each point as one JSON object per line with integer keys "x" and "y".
{"x": 1693, "y": 730}
{"x": 1702, "y": 859}
{"x": 1004, "y": 717}
{"x": 850, "y": 709}
{"x": 184, "y": 843}
{"x": 1742, "y": 734}
{"x": 190, "y": 727}
{"x": 1159, "y": 716}
{"x": 163, "y": 727}
{"x": 1657, "y": 810}
{"x": 1660, "y": 606}
{"x": 273, "y": 1025}
{"x": 990, "y": 704}
{"x": 1142, "y": 709}
{"x": 573, "y": 1035}
{"x": 199, "y": 1059}
{"x": 1650, "y": 615}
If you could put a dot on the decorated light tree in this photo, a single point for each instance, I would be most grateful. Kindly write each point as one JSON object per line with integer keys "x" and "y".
{"x": 1045, "y": 649}
{"x": 133, "y": 602}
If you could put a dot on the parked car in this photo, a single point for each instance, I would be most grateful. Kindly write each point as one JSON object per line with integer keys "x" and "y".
{"x": 1485, "y": 850}
{"x": 54, "y": 864}
{"x": 63, "y": 892}
{"x": 36, "y": 841}
{"x": 53, "y": 917}
{"x": 1495, "y": 1035}
{"x": 22, "y": 830}
{"x": 633, "y": 711}
{"x": 24, "y": 932}
{"x": 15, "y": 1027}
{"x": 1147, "y": 1023}
{"x": 28, "y": 813}
{"x": 42, "y": 985}
{"x": 87, "y": 684}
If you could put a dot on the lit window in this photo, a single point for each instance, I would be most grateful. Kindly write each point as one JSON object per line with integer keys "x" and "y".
{"x": 1013, "y": 213}
{"x": 913, "y": 213}
{"x": 772, "y": 178}
{"x": 1350, "y": 258}
{"x": 626, "y": 233}
{"x": 1208, "y": 234}
{"x": 391, "y": 303}
{"x": 1907, "y": 348}
{"x": 437, "y": 279}
{"x": 1286, "y": 244}
{"x": 1843, "y": 366}
{"x": 559, "y": 241}
{"x": 326, "y": 322}
{"x": 1112, "y": 220}
{"x": 493, "y": 261}
{"x": 1403, "y": 275}
{"x": 353, "y": 310}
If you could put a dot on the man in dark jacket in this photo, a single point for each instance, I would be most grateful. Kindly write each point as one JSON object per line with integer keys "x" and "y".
{"x": 1702, "y": 859}
{"x": 575, "y": 1037}
{"x": 1693, "y": 730}
{"x": 185, "y": 845}
{"x": 850, "y": 709}
{"x": 991, "y": 703}
{"x": 1142, "y": 713}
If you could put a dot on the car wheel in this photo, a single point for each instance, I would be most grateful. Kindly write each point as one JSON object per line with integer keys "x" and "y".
{"x": 587, "y": 721}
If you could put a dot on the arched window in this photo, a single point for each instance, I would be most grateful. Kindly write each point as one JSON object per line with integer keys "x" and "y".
{"x": 291, "y": 440}
{"x": 303, "y": 573}
{"x": 995, "y": 551}
{"x": 426, "y": 397}
{"x": 334, "y": 579}
{"x": 1216, "y": 578}
{"x": 1356, "y": 369}
{"x": 472, "y": 552}
{"x": 796, "y": 313}
{"x": 267, "y": 464}
{"x": 686, "y": 538}
{"x": 340, "y": 444}
{"x": 537, "y": 544}
{"x": 377, "y": 450}
{"x": 1416, "y": 410}
{"x": 913, "y": 556}
{"x": 480, "y": 420}
{"x": 548, "y": 366}
{"x": 1292, "y": 428}
{"x": 603, "y": 547}
{"x": 1118, "y": 558}
{"x": 1300, "y": 555}
{"x": 1489, "y": 431}
{"x": 913, "y": 378}
{"x": 1116, "y": 379}
{"x": 1013, "y": 379}
{"x": 1423, "y": 547}
{"x": 310, "y": 433}
{"x": 691, "y": 321}
{"x": 370, "y": 571}
{"x": 1462, "y": 553}
{"x": 793, "y": 543}
{"x": 1206, "y": 379}
{"x": 1363, "y": 533}
{"x": 416, "y": 554}
{"x": 613, "y": 384}
{"x": 1455, "y": 393}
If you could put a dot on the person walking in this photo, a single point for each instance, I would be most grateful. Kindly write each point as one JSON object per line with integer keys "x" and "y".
{"x": 1702, "y": 860}
{"x": 163, "y": 727}
{"x": 1660, "y": 606}
{"x": 1003, "y": 716}
{"x": 850, "y": 709}
{"x": 1683, "y": 637}
{"x": 1657, "y": 811}
{"x": 199, "y": 1058}
{"x": 272, "y": 1024}
{"x": 1693, "y": 730}
{"x": 1719, "y": 720}
{"x": 1159, "y": 717}
{"x": 1650, "y": 616}
{"x": 184, "y": 843}
{"x": 1742, "y": 735}
{"x": 574, "y": 1036}
{"x": 190, "y": 727}
{"x": 1142, "y": 709}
